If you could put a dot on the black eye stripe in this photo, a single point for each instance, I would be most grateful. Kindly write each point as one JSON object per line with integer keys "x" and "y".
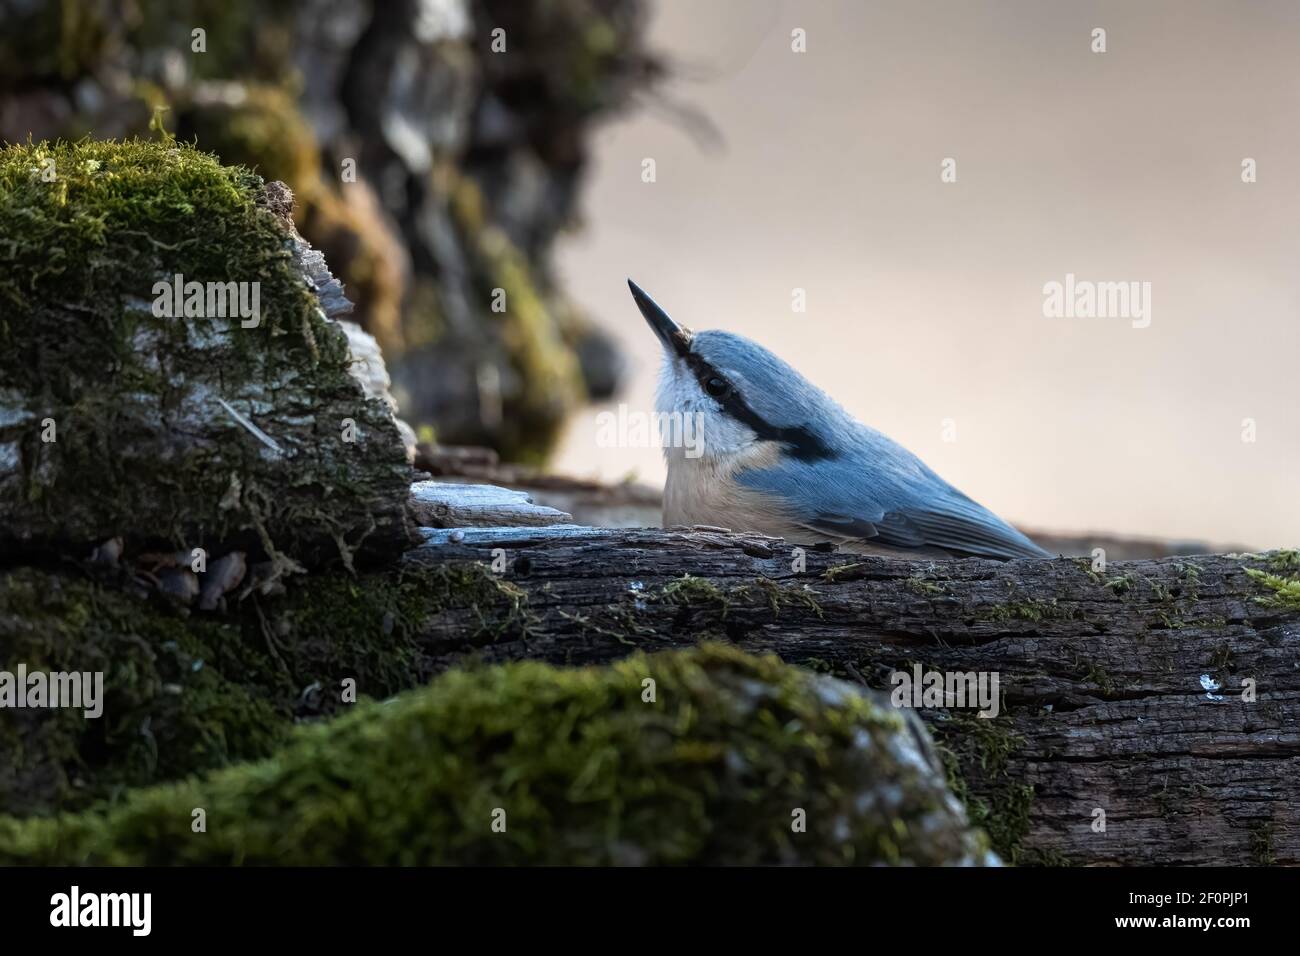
{"x": 802, "y": 443}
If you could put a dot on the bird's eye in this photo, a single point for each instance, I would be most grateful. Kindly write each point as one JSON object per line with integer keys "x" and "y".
{"x": 716, "y": 387}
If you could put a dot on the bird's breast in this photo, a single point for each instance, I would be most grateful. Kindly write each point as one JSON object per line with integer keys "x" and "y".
{"x": 705, "y": 491}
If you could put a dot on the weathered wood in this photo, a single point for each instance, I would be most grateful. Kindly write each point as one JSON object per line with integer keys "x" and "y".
{"x": 440, "y": 505}
{"x": 623, "y": 504}
{"x": 1103, "y": 675}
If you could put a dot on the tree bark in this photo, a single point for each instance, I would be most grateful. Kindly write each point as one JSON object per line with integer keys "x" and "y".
{"x": 1157, "y": 698}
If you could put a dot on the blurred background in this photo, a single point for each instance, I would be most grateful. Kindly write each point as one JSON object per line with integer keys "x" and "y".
{"x": 522, "y": 169}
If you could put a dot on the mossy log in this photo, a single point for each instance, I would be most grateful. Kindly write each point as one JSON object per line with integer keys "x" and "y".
{"x": 179, "y": 425}
{"x": 1157, "y": 698}
{"x": 706, "y": 756}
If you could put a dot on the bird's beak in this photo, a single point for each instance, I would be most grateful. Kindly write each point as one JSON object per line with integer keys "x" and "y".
{"x": 675, "y": 338}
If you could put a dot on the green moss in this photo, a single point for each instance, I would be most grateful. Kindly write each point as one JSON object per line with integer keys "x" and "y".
{"x": 546, "y": 382}
{"x": 779, "y": 595}
{"x": 1034, "y": 856}
{"x": 701, "y": 593}
{"x": 193, "y": 692}
{"x": 1280, "y": 577}
{"x": 1085, "y": 565}
{"x": 1221, "y": 659}
{"x": 500, "y": 606}
{"x": 1191, "y": 575}
{"x": 843, "y": 572}
{"x": 1003, "y": 805}
{"x": 1095, "y": 674}
{"x": 1261, "y": 845}
{"x": 585, "y": 770}
{"x": 259, "y": 127}
{"x": 134, "y": 393}
{"x": 919, "y": 585}
{"x": 1168, "y": 621}
{"x": 1121, "y": 584}
{"x": 689, "y": 590}
{"x": 180, "y": 695}
{"x": 1284, "y": 561}
{"x": 1032, "y": 610}
{"x": 579, "y": 58}
{"x": 1285, "y": 591}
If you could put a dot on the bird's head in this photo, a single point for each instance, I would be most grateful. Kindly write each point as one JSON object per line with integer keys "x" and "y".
{"x": 737, "y": 392}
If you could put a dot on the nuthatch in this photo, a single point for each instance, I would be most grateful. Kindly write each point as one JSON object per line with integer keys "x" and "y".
{"x": 780, "y": 457}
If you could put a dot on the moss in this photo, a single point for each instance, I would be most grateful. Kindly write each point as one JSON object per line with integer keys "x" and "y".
{"x": 545, "y": 381}
{"x": 1095, "y": 674}
{"x": 1121, "y": 584}
{"x": 1003, "y": 805}
{"x": 1032, "y": 610}
{"x": 919, "y": 585}
{"x": 1085, "y": 565}
{"x": 1168, "y": 621}
{"x": 621, "y": 622}
{"x": 505, "y": 602}
{"x": 1285, "y": 591}
{"x": 133, "y": 393}
{"x": 180, "y": 695}
{"x": 1261, "y": 845}
{"x": 192, "y": 692}
{"x": 584, "y": 770}
{"x": 843, "y": 572}
{"x": 1279, "y": 577}
{"x": 49, "y": 42}
{"x": 245, "y": 39}
{"x": 701, "y": 593}
{"x": 693, "y": 592}
{"x": 260, "y": 126}
{"x": 780, "y": 595}
{"x": 1284, "y": 561}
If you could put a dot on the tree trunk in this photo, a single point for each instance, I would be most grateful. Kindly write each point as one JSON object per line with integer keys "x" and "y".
{"x": 1147, "y": 711}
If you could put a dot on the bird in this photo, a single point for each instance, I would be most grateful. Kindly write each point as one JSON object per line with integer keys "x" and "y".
{"x": 778, "y": 456}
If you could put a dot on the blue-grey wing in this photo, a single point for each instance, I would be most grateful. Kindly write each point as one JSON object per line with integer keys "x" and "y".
{"x": 888, "y": 499}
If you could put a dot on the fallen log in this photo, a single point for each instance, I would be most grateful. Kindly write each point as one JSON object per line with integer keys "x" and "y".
{"x": 1147, "y": 712}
